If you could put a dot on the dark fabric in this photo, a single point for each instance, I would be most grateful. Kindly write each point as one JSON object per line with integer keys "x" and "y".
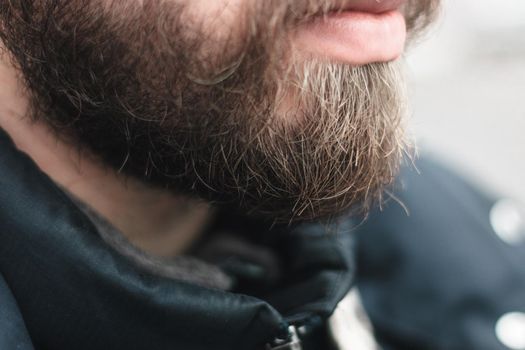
{"x": 310, "y": 249}
{"x": 13, "y": 333}
{"x": 75, "y": 292}
{"x": 438, "y": 278}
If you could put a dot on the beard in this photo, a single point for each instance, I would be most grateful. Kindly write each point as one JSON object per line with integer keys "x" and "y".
{"x": 241, "y": 123}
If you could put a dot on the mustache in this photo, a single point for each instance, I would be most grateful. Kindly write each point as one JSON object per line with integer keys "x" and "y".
{"x": 419, "y": 14}
{"x": 310, "y": 8}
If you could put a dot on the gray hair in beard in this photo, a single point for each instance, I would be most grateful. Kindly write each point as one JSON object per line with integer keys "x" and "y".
{"x": 127, "y": 83}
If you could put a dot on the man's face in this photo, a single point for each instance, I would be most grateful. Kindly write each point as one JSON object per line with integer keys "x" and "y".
{"x": 218, "y": 99}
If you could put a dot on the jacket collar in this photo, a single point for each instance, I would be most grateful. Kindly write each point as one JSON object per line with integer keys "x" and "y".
{"x": 74, "y": 291}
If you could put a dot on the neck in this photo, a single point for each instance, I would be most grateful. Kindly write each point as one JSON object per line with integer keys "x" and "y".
{"x": 156, "y": 221}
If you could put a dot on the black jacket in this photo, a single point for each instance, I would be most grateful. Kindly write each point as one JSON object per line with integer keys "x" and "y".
{"x": 437, "y": 279}
{"x": 62, "y": 287}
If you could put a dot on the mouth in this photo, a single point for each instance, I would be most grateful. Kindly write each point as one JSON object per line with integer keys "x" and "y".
{"x": 369, "y": 6}
{"x": 358, "y": 32}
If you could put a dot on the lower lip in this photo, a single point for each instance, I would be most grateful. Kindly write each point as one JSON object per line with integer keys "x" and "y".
{"x": 352, "y": 37}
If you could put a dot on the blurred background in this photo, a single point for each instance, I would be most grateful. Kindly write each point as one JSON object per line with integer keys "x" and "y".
{"x": 467, "y": 87}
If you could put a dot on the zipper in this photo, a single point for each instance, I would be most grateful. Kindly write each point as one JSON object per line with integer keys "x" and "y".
{"x": 291, "y": 342}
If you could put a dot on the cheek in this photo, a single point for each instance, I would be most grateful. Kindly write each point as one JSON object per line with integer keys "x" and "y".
{"x": 215, "y": 21}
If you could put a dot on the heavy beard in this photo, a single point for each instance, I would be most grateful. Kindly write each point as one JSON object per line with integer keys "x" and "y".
{"x": 246, "y": 124}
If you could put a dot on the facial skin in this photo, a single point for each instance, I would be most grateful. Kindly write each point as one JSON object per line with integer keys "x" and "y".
{"x": 214, "y": 99}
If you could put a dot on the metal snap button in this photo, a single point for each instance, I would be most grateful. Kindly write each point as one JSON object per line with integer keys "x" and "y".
{"x": 507, "y": 218}
{"x": 510, "y": 330}
{"x": 292, "y": 342}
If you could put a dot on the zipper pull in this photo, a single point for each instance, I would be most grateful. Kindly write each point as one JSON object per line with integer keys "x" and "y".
{"x": 292, "y": 342}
